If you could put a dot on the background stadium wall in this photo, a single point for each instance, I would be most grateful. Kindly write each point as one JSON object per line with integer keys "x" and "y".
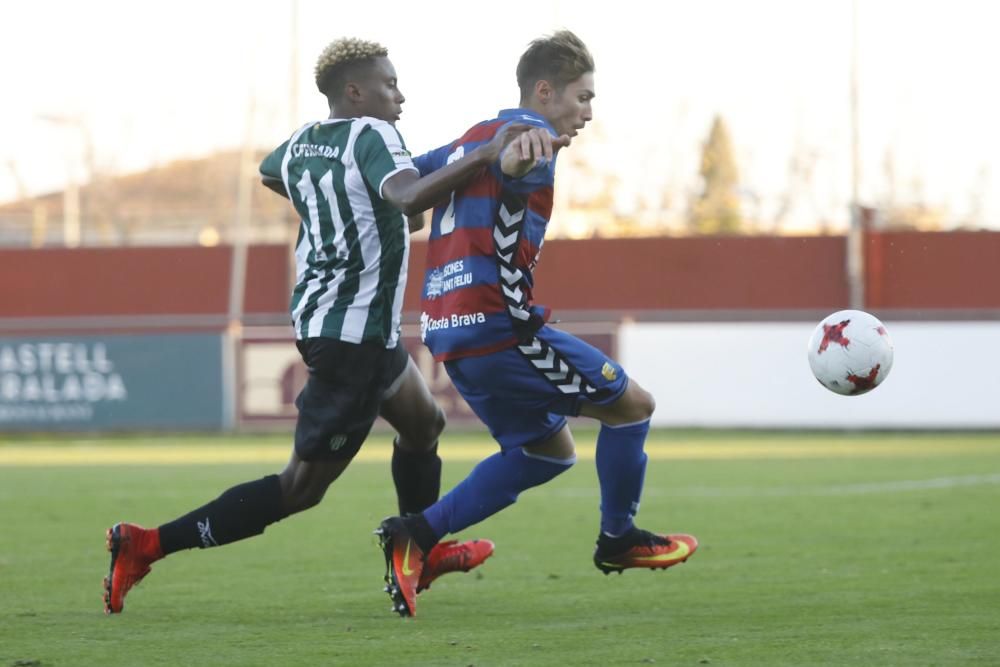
{"x": 747, "y": 305}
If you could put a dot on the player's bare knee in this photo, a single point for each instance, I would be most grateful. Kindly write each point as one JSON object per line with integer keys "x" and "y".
{"x": 436, "y": 427}
{"x": 635, "y": 405}
{"x": 645, "y": 404}
{"x": 422, "y": 435}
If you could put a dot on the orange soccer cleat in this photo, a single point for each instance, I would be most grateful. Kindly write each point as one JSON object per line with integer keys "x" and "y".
{"x": 404, "y": 563}
{"x": 133, "y": 549}
{"x": 641, "y": 548}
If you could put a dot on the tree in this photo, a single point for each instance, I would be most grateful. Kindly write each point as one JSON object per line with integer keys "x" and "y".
{"x": 717, "y": 209}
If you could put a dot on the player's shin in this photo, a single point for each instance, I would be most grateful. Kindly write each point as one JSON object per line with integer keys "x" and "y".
{"x": 621, "y": 470}
{"x": 493, "y": 484}
{"x": 240, "y": 512}
{"x": 417, "y": 476}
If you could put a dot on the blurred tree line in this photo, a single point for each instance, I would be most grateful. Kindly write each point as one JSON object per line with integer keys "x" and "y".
{"x": 717, "y": 208}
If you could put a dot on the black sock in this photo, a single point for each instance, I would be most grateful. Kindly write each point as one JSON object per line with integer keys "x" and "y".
{"x": 421, "y": 531}
{"x": 242, "y": 511}
{"x": 614, "y": 545}
{"x": 417, "y": 476}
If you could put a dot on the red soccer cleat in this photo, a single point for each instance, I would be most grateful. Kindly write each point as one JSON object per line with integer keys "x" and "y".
{"x": 133, "y": 549}
{"x": 453, "y": 556}
{"x": 641, "y": 548}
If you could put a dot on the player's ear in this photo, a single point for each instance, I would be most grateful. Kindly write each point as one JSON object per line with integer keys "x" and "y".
{"x": 543, "y": 90}
{"x": 353, "y": 92}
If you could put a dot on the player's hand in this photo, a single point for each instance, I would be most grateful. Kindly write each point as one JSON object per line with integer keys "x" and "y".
{"x": 529, "y": 148}
{"x": 528, "y": 142}
{"x": 492, "y": 149}
{"x": 536, "y": 144}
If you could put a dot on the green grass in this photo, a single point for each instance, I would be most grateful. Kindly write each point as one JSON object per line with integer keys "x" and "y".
{"x": 838, "y": 560}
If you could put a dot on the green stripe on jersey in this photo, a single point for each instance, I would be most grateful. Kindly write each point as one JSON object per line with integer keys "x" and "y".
{"x": 353, "y": 246}
{"x": 393, "y": 268}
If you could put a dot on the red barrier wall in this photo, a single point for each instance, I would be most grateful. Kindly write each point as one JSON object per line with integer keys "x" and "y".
{"x": 959, "y": 270}
{"x": 953, "y": 270}
{"x": 60, "y": 282}
{"x": 692, "y": 273}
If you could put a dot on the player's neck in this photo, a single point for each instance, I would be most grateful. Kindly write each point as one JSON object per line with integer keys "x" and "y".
{"x": 531, "y": 105}
{"x": 344, "y": 111}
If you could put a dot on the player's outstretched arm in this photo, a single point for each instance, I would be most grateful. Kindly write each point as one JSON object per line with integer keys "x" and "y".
{"x": 412, "y": 194}
{"x": 528, "y": 149}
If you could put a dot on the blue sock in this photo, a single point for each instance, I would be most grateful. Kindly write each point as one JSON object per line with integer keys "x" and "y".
{"x": 492, "y": 485}
{"x": 621, "y": 468}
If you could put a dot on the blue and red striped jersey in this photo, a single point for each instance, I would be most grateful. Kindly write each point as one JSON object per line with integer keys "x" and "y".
{"x": 484, "y": 244}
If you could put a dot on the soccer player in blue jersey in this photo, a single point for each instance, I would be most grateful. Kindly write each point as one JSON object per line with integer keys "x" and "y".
{"x": 521, "y": 376}
{"x": 350, "y": 179}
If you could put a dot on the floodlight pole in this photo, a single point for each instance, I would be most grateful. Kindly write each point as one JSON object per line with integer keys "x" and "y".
{"x": 293, "y": 74}
{"x": 71, "y": 195}
{"x": 237, "y": 274}
{"x": 294, "y": 121}
{"x": 855, "y": 233}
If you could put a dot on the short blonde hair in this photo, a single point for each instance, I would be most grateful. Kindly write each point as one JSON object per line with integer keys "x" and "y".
{"x": 339, "y": 55}
{"x": 559, "y": 58}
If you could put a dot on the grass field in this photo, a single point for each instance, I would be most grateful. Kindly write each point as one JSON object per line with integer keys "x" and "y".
{"x": 817, "y": 549}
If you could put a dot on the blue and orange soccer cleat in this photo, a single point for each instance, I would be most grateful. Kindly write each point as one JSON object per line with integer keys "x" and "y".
{"x": 453, "y": 556}
{"x": 133, "y": 549}
{"x": 404, "y": 563}
{"x": 641, "y": 548}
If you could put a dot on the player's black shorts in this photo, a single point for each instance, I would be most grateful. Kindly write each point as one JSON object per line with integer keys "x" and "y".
{"x": 341, "y": 399}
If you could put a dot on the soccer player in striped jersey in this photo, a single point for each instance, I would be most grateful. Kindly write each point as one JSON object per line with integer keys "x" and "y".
{"x": 351, "y": 179}
{"x": 521, "y": 376}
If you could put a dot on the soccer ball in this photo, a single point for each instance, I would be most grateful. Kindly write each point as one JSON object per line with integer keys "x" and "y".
{"x": 850, "y": 352}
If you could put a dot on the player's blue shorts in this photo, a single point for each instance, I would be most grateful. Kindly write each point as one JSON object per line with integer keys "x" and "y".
{"x": 524, "y": 393}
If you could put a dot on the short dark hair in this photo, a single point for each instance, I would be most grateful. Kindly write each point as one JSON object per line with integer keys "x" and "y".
{"x": 560, "y": 58}
{"x": 340, "y": 60}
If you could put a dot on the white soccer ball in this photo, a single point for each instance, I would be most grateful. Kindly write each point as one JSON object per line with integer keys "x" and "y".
{"x": 850, "y": 352}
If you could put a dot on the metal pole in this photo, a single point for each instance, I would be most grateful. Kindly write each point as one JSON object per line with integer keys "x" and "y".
{"x": 241, "y": 224}
{"x": 237, "y": 274}
{"x": 71, "y": 211}
{"x": 855, "y": 234}
{"x": 293, "y": 88}
{"x": 71, "y": 194}
{"x": 294, "y": 121}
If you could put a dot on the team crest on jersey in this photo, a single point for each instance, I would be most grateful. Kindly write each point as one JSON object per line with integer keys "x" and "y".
{"x": 608, "y": 371}
{"x": 446, "y": 278}
{"x": 435, "y": 283}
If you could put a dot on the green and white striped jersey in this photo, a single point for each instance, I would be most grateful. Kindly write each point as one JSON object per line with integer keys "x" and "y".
{"x": 353, "y": 246}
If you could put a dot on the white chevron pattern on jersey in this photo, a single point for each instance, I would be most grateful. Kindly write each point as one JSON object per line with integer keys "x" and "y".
{"x": 553, "y": 366}
{"x": 509, "y": 219}
{"x": 556, "y": 368}
{"x": 506, "y": 233}
{"x": 514, "y": 294}
{"x": 504, "y": 242}
{"x": 510, "y": 277}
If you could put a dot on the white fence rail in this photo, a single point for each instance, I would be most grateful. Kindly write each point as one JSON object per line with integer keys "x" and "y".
{"x": 755, "y": 375}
